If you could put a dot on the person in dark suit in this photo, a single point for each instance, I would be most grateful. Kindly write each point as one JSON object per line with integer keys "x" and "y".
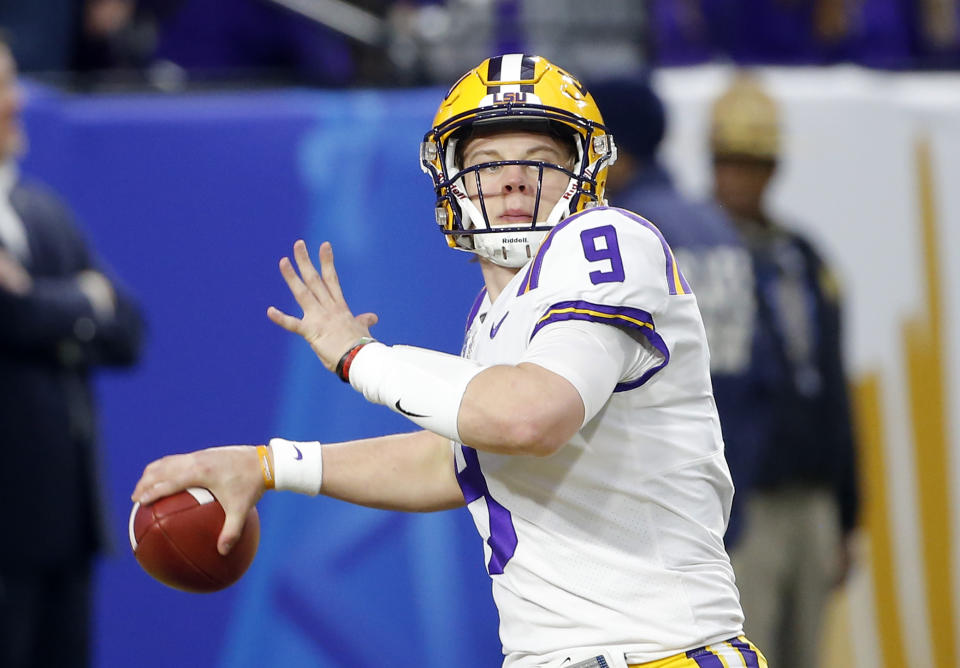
{"x": 60, "y": 317}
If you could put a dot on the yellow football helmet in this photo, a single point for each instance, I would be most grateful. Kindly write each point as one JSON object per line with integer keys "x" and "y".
{"x": 517, "y": 91}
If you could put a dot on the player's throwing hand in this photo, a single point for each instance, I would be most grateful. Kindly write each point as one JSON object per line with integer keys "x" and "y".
{"x": 327, "y": 324}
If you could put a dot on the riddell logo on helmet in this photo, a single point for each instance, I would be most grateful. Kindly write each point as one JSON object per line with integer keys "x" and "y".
{"x": 514, "y": 240}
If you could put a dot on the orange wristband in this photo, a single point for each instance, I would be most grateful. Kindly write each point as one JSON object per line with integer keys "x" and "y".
{"x": 264, "y": 455}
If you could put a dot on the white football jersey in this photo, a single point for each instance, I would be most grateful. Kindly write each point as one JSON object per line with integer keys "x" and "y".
{"x": 616, "y": 540}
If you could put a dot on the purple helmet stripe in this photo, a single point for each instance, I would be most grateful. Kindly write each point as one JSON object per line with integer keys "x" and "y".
{"x": 528, "y": 67}
{"x": 493, "y": 70}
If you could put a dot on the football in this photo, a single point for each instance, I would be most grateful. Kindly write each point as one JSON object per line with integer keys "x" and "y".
{"x": 175, "y": 540}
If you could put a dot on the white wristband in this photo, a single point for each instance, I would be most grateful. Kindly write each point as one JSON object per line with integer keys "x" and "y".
{"x": 423, "y": 385}
{"x": 297, "y": 466}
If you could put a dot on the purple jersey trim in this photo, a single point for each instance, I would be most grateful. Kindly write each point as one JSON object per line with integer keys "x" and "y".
{"x": 477, "y": 303}
{"x": 503, "y": 537}
{"x": 657, "y": 342}
{"x": 622, "y": 316}
{"x": 676, "y": 283}
{"x": 619, "y": 316}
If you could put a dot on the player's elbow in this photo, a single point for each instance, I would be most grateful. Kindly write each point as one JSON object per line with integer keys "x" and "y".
{"x": 537, "y": 433}
{"x": 523, "y": 410}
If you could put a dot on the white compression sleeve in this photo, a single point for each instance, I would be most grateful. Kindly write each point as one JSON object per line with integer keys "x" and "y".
{"x": 297, "y": 467}
{"x": 423, "y": 385}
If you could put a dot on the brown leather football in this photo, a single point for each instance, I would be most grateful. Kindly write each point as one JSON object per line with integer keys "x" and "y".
{"x": 175, "y": 540}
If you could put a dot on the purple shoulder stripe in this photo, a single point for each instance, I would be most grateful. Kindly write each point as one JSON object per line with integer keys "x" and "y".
{"x": 625, "y": 317}
{"x": 621, "y": 316}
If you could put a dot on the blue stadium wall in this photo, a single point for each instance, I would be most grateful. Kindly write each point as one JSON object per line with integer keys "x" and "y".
{"x": 191, "y": 200}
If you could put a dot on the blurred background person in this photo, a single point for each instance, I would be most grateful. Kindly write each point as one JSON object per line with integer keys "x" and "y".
{"x": 891, "y": 34}
{"x": 802, "y": 509}
{"x": 254, "y": 39}
{"x": 60, "y": 317}
{"x": 172, "y": 44}
{"x": 437, "y": 40}
{"x": 714, "y": 260}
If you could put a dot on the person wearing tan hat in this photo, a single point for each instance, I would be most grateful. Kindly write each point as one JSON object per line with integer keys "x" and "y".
{"x": 802, "y": 508}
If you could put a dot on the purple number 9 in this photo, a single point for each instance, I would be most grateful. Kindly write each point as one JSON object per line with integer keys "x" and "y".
{"x": 596, "y": 250}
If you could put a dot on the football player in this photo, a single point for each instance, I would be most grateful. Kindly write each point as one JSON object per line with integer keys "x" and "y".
{"x": 578, "y": 426}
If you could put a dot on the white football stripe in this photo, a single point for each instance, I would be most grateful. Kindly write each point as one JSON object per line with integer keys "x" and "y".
{"x": 202, "y": 495}
{"x": 133, "y": 514}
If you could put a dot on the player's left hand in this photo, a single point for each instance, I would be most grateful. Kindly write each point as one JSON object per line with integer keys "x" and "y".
{"x": 327, "y": 324}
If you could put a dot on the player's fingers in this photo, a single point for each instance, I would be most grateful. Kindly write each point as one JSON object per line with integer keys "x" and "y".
{"x": 329, "y": 271}
{"x": 288, "y": 322}
{"x": 154, "y": 486}
{"x": 232, "y": 528}
{"x": 166, "y": 476}
{"x": 309, "y": 273}
{"x": 300, "y": 292}
{"x": 368, "y": 320}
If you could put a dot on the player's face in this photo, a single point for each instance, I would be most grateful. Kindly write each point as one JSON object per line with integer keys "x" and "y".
{"x": 740, "y": 184}
{"x": 510, "y": 191}
{"x": 11, "y": 135}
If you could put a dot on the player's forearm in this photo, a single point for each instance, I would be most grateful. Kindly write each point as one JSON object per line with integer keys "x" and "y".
{"x": 523, "y": 409}
{"x": 409, "y": 472}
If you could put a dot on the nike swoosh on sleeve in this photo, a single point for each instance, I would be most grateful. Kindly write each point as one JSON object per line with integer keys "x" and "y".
{"x": 408, "y": 413}
{"x": 299, "y": 454}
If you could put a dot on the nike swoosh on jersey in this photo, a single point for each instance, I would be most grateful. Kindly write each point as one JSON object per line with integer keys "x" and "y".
{"x": 299, "y": 454}
{"x": 408, "y": 413}
{"x": 496, "y": 327}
